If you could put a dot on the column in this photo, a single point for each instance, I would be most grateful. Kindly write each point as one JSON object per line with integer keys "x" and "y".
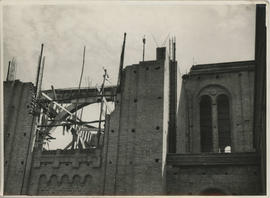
{"x": 215, "y": 125}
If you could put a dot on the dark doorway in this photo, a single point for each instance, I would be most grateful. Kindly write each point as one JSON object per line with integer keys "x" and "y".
{"x": 224, "y": 128}
{"x": 206, "y": 124}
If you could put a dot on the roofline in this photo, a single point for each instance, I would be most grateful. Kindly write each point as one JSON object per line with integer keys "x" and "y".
{"x": 227, "y": 64}
{"x": 224, "y": 67}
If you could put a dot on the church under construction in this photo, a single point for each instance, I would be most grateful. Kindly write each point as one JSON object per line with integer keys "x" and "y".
{"x": 207, "y": 137}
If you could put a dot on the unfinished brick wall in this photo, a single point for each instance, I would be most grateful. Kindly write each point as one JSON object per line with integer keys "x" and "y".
{"x": 70, "y": 172}
{"x": 137, "y": 132}
{"x": 18, "y": 136}
{"x": 236, "y": 80}
{"x": 192, "y": 171}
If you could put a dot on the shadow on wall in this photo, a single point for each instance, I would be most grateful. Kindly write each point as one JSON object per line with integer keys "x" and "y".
{"x": 182, "y": 133}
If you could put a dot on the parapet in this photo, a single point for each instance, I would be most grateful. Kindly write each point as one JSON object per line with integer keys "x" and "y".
{"x": 225, "y": 67}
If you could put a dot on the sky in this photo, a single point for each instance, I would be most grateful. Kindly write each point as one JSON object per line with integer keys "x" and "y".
{"x": 204, "y": 34}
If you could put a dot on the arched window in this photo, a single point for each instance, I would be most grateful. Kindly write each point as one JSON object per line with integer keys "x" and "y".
{"x": 206, "y": 124}
{"x": 224, "y": 128}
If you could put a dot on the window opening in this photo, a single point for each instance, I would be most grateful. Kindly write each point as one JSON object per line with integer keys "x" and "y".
{"x": 224, "y": 129}
{"x": 206, "y": 124}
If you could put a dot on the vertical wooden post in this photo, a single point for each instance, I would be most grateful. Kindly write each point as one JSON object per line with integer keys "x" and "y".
{"x": 39, "y": 65}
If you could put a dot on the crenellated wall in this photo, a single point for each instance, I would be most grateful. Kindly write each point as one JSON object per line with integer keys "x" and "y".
{"x": 70, "y": 172}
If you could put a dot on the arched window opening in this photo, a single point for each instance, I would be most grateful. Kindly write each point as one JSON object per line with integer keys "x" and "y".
{"x": 224, "y": 128}
{"x": 206, "y": 124}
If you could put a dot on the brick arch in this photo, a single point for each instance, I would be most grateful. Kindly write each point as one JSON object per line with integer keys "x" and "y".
{"x": 65, "y": 179}
{"x": 42, "y": 184}
{"x": 76, "y": 179}
{"x": 53, "y": 180}
{"x": 209, "y": 90}
{"x": 213, "y": 91}
{"x": 62, "y": 115}
{"x": 87, "y": 178}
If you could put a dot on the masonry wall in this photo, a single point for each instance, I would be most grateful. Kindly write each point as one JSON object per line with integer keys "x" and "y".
{"x": 229, "y": 179}
{"x": 18, "y": 136}
{"x": 238, "y": 84}
{"x": 204, "y": 174}
{"x": 232, "y": 180}
{"x": 137, "y": 132}
{"x": 70, "y": 172}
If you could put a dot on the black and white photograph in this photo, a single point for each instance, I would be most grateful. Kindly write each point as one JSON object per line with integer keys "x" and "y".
{"x": 134, "y": 98}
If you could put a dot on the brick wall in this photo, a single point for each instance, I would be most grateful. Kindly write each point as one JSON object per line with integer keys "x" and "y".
{"x": 70, "y": 172}
{"x": 237, "y": 81}
{"x": 18, "y": 136}
{"x": 191, "y": 172}
{"x": 232, "y": 180}
{"x": 231, "y": 174}
{"x": 137, "y": 132}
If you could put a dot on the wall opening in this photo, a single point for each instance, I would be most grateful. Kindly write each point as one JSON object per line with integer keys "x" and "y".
{"x": 206, "y": 124}
{"x": 224, "y": 128}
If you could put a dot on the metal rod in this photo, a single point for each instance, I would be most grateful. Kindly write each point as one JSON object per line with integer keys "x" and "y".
{"x": 169, "y": 49}
{"x": 174, "y": 49}
{"x": 13, "y": 68}
{"x": 9, "y": 62}
{"x": 143, "y": 48}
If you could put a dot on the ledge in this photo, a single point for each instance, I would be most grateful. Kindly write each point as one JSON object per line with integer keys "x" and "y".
{"x": 59, "y": 151}
{"x": 210, "y": 159}
{"x": 216, "y": 68}
{"x": 54, "y": 158}
{"x": 223, "y": 65}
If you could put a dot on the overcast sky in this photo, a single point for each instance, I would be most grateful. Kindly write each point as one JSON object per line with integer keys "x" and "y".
{"x": 208, "y": 33}
{"x": 204, "y": 34}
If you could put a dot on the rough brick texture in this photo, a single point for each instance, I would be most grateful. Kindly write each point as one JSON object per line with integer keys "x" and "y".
{"x": 236, "y": 80}
{"x": 134, "y": 159}
{"x": 66, "y": 173}
{"x": 225, "y": 173}
{"x": 137, "y": 134}
{"x": 229, "y": 179}
{"x": 18, "y": 135}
